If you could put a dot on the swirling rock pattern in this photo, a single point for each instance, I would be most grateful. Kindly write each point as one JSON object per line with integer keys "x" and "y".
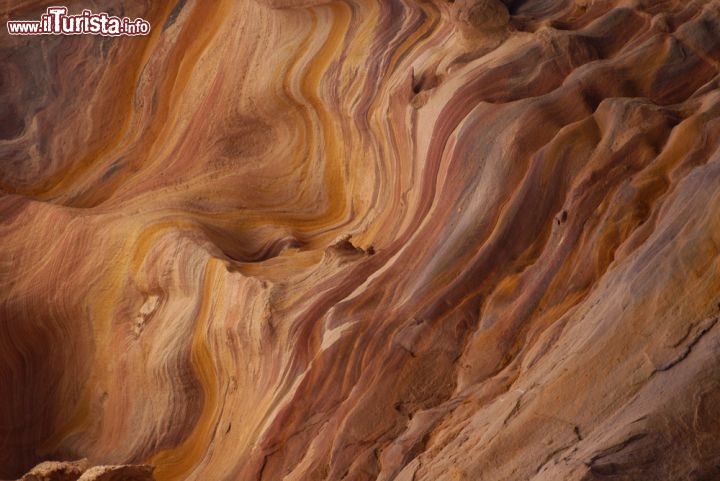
{"x": 364, "y": 240}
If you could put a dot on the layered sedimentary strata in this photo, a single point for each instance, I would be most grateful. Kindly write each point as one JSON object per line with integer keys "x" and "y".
{"x": 364, "y": 240}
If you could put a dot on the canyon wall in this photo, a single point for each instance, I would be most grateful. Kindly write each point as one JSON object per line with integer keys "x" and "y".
{"x": 364, "y": 240}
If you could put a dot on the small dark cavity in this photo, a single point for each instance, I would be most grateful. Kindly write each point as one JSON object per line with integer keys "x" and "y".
{"x": 592, "y": 97}
{"x": 174, "y": 14}
{"x": 114, "y": 168}
{"x": 674, "y": 119}
{"x": 345, "y": 245}
{"x": 424, "y": 81}
{"x": 562, "y": 218}
{"x": 513, "y": 5}
{"x": 522, "y": 24}
{"x": 417, "y": 86}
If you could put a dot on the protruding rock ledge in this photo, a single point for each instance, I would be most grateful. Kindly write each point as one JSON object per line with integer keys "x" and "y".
{"x": 119, "y": 473}
{"x": 57, "y": 471}
{"x": 81, "y": 471}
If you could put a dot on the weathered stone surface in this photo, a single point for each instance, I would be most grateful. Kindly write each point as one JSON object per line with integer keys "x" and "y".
{"x": 57, "y": 471}
{"x": 118, "y": 473}
{"x": 81, "y": 471}
{"x": 410, "y": 240}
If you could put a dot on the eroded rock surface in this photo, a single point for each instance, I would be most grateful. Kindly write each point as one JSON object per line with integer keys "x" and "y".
{"x": 57, "y": 471}
{"x": 365, "y": 240}
{"x": 81, "y": 471}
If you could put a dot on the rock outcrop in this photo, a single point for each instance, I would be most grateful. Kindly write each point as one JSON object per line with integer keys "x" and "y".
{"x": 81, "y": 471}
{"x": 363, "y": 240}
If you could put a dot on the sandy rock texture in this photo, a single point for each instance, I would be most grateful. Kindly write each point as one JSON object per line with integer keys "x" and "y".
{"x": 57, "y": 471}
{"x": 81, "y": 471}
{"x": 410, "y": 240}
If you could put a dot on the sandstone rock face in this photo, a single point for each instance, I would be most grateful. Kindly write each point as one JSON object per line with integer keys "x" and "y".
{"x": 81, "y": 471}
{"x": 364, "y": 240}
{"x": 118, "y": 473}
{"x": 57, "y": 471}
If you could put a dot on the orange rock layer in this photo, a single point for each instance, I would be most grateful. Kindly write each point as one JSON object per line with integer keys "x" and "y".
{"x": 364, "y": 240}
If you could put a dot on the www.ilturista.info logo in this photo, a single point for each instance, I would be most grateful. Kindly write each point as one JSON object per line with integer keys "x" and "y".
{"x": 57, "y": 22}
